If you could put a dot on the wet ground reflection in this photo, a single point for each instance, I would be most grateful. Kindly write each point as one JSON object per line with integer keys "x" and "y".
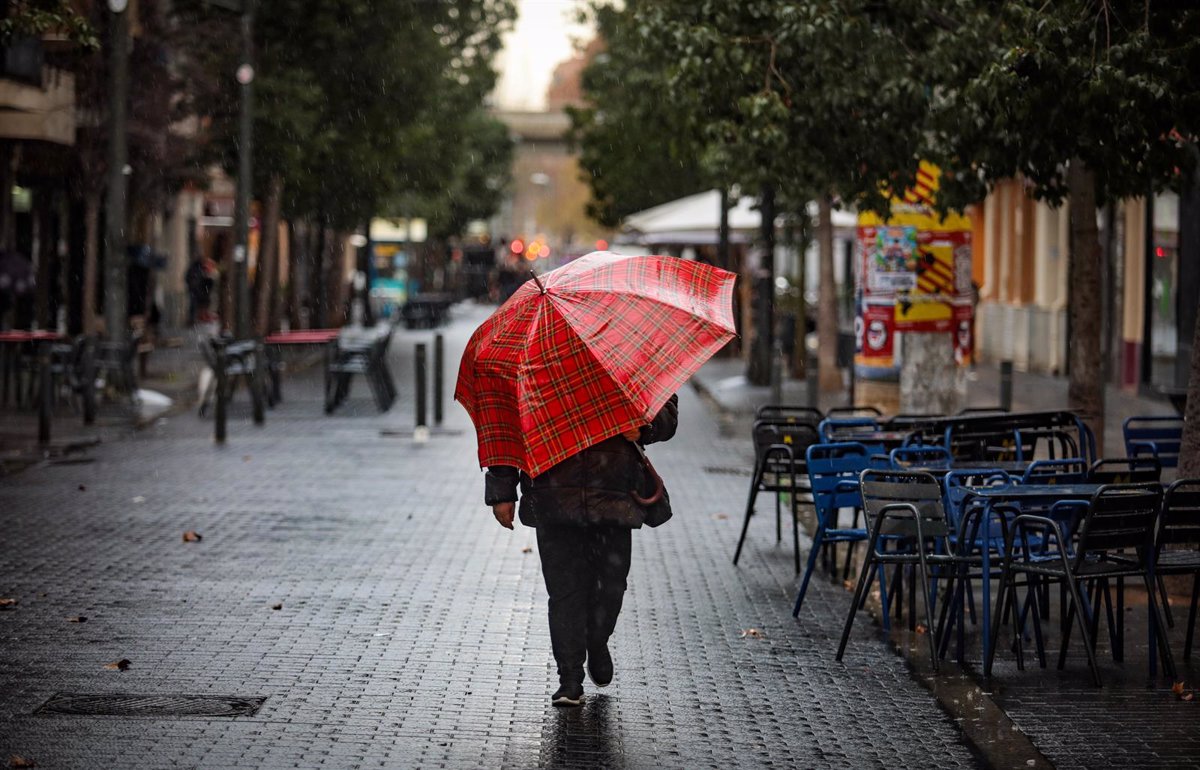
{"x": 583, "y": 737}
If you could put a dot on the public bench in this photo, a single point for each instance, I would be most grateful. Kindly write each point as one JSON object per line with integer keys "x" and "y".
{"x": 427, "y": 310}
{"x": 231, "y": 360}
{"x": 365, "y": 355}
{"x": 274, "y": 343}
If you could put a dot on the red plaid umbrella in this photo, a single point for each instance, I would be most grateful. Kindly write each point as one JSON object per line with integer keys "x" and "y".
{"x": 589, "y": 351}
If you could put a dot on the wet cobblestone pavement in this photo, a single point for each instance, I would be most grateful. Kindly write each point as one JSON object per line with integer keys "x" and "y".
{"x": 410, "y": 629}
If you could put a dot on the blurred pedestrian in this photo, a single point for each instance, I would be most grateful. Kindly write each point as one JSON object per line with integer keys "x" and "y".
{"x": 201, "y": 280}
{"x": 584, "y": 515}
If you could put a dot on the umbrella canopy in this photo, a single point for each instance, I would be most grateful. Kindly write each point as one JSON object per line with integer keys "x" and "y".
{"x": 589, "y": 351}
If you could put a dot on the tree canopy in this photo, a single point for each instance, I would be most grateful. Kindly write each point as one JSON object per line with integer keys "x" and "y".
{"x": 639, "y": 143}
{"x": 353, "y": 98}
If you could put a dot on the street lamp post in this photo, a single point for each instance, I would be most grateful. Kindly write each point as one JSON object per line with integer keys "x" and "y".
{"x": 241, "y": 248}
{"x": 115, "y": 290}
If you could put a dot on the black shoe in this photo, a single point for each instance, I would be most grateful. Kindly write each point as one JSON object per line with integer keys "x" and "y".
{"x": 600, "y": 666}
{"x": 570, "y": 694}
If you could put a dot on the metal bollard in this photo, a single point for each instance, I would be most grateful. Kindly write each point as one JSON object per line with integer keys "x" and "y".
{"x": 421, "y": 433}
{"x": 438, "y": 376}
{"x": 89, "y": 381}
{"x": 219, "y": 409}
{"x": 1006, "y": 394}
{"x": 258, "y": 384}
{"x": 43, "y": 358}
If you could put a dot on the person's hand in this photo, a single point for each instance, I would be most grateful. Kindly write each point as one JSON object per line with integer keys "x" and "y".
{"x": 504, "y": 513}
{"x": 633, "y": 434}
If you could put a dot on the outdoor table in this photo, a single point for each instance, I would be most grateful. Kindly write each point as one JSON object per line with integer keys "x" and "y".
{"x": 41, "y": 340}
{"x": 873, "y": 439}
{"x": 274, "y": 342}
{"x": 1020, "y": 495}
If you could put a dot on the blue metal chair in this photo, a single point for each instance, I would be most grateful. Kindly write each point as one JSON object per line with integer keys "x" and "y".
{"x": 1071, "y": 470}
{"x": 1125, "y": 470}
{"x": 965, "y": 512}
{"x": 1158, "y": 436}
{"x": 1116, "y": 540}
{"x": 833, "y": 471}
{"x": 919, "y": 456}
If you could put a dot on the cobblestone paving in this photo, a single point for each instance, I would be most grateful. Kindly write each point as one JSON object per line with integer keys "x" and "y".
{"x": 412, "y": 628}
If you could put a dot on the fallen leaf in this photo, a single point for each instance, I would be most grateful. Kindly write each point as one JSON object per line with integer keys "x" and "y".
{"x": 753, "y": 633}
{"x": 246, "y": 458}
{"x": 77, "y": 619}
{"x": 120, "y": 665}
{"x": 527, "y": 549}
{"x": 8, "y": 602}
{"x": 277, "y": 606}
{"x": 82, "y": 488}
{"x": 848, "y": 585}
{"x": 921, "y": 629}
{"x": 192, "y": 537}
{"x": 721, "y": 516}
{"x": 16, "y": 761}
{"x": 139, "y": 499}
{"x": 1178, "y": 688}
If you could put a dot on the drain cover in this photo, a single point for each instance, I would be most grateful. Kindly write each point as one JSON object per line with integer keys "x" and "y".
{"x": 125, "y": 705}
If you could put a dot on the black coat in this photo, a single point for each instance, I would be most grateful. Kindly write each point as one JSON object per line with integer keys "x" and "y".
{"x": 591, "y": 487}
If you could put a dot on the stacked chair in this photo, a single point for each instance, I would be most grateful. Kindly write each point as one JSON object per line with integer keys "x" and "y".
{"x": 781, "y": 437}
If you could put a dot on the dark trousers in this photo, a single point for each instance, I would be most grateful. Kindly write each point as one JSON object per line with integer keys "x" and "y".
{"x": 585, "y": 570}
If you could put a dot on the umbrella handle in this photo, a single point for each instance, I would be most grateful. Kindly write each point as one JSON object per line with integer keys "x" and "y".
{"x": 659, "y": 488}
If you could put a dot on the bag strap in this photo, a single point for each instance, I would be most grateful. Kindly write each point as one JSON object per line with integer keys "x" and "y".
{"x": 659, "y": 487}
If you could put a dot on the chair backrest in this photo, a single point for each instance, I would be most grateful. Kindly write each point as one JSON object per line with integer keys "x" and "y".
{"x": 920, "y": 457}
{"x": 904, "y": 421}
{"x": 1048, "y": 443}
{"x": 983, "y": 410}
{"x": 806, "y": 414}
{"x": 836, "y": 429}
{"x": 1119, "y": 517}
{"x": 830, "y": 467}
{"x": 797, "y": 435}
{"x": 1158, "y": 436}
{"x": 1180, "y": 520}
{"x": 994, "y": 436}
{"x": 960, "y": 484}
{"x": 1070, "y": 470}
{"x": 854, "y": 411}
{"x": 1125, "y": 470}
{"x": 881, "y": 488}
{"x": 983, "y": 443}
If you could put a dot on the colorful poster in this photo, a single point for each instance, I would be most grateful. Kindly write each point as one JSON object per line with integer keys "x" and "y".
{"x": 914, "y": 274}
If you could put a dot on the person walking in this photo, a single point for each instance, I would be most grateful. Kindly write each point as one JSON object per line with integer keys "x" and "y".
{"x": 565, "y": 383}
{"x": 585, "y": 514}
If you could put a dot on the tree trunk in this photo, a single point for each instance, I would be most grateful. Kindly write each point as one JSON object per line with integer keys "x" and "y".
{"x": 827, "y": 317}
{"x": 43, "y": 248}
{"x": 1085, "y": 392}
{"x": 268, "y": 257}
{"x": 298, "y": 241}
{"x": 1189, "y": 449}
{"x": 762, "y": 349}
{"x": 318, "y": 273}
{"x": 91, "y": 258}
{"x": 7, "y": 230}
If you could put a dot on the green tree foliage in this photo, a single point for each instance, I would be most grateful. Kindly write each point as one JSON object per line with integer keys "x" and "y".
{"x": 639, "y": 142}
{"x": 1091, "y": 100}
{"x": 36, "y": 18}
{"x": 352, "y": 98}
